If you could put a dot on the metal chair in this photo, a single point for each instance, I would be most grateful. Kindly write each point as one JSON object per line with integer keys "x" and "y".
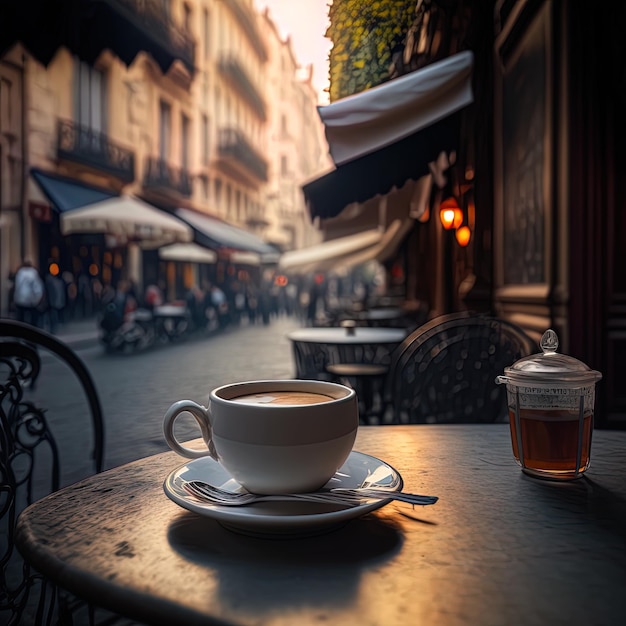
{"x": 31, "y": 465}
{"x": 445, "y": 371}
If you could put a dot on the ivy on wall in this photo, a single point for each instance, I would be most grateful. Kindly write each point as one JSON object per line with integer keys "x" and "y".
{"x": 365, "y": 34}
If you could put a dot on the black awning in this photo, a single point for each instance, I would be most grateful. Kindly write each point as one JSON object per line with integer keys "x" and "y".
{"x": 216, "y": 234}
{"x": 66, "y": 194}
{"x": 378, "y": 172}
{"x": 87, "y": 27}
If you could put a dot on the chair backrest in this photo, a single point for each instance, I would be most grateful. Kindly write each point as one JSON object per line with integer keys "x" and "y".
{"x": 30, "y": 456}
{"x": 445, "y": 371}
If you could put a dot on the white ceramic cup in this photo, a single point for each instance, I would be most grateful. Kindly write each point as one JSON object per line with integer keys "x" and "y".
{"x": 269, "y": 447}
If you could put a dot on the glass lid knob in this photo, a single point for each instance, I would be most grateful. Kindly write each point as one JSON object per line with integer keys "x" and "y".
{"x": 549, "y": 342}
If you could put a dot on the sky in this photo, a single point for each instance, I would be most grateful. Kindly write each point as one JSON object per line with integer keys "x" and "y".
{"x": 306, "y": 21}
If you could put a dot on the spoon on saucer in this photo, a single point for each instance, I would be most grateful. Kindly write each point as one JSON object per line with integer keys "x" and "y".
{"x": 349, "y": 497}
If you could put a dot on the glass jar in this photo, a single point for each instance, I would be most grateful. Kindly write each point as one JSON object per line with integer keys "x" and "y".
{"x": 551, "y": 399}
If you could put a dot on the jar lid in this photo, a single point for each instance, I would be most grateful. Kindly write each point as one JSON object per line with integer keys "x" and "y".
{"x": 548, "y": 368}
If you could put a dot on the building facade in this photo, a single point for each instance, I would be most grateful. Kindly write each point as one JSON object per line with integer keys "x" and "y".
{"x": 297, "y": 147}
{"x": 179, "y": 118}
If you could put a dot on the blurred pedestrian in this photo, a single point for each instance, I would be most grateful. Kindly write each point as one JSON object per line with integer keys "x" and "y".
{"x": 153, "y": 297}
{"x": 29, "y": 293}
{"x": 195, "y": 300}
{"x": 55, "y": 296}
{"x": 219, "y": 302}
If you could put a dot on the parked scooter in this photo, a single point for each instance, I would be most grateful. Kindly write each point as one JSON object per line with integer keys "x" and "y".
{"x": 127, "y": 332}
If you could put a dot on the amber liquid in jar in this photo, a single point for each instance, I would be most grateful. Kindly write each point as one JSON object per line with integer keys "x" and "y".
{"x": 550, "y": 441}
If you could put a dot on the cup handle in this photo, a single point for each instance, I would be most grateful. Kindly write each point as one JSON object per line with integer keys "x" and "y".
{"x": 201, "y": 414}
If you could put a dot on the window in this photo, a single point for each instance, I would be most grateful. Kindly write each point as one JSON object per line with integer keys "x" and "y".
{"x": 218, "y": 106}
{"x": 284, "y": 166}
{"x": 206, "y": 33}
{"x": 185, "y": 125}
{"x": 205, "y": 140}
{"x": 218, "y": 192}
{"x": 89, "y": 96}
{"x": 6, "y": 104}
{"x": 283, "y": 124}
{"x": 165, "y": 129}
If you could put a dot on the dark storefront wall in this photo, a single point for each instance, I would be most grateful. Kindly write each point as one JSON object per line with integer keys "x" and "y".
{"x": 88, "y": 259}
{"x": 596, "y": 132}
{"x": 559, "y": 129}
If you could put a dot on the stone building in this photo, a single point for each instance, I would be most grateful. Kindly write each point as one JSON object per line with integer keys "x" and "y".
{"x": 161, "y": 109}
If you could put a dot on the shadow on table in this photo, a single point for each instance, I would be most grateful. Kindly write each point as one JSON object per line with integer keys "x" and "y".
{"x": 324, "y": 570}
{"x": 583, "y": 497}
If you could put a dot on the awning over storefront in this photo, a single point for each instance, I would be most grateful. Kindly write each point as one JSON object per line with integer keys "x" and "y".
{"x": 67, "y": 194}
{"x": 127, "y": 217}
{"x": 324, "y": 256}
{"x": 87, "y": 209}
{"x": 384, "y": 249}
{"x": 410, "y": 201}
{"x": 87, "y": 28}
{"x": 187, "y": 252}
{"x": 217, "y": 234}
{"x": 384, "y": 136}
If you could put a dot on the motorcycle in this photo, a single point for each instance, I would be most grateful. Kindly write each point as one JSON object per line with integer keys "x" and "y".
{"x": 127, "y": 332}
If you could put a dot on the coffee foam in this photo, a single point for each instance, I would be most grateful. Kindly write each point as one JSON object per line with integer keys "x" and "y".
{"x": 283, "y": 398}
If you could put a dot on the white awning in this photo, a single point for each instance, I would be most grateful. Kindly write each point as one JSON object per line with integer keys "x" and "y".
{"x": 401, "y": 130}
{"x": 128, "y": 217}
{"x": 384, "y": 249}
{"x": 188, "y": 252}
{"x": 324, "y": 256}
{"x": 380, "y": 116}
{"x": 245, "y": 258}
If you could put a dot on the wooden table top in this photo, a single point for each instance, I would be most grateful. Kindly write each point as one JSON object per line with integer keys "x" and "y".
{"x": 498, "y": 548}
{"x": 357, "y": 335}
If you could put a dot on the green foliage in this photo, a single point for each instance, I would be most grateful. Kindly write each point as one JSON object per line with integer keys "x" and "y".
{"x": 364, "y": 34}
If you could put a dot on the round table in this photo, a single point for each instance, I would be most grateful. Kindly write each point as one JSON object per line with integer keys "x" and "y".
{"x": 356, "y": 356}
{"x": 499, "y": 547}
{"x": 384, "y": 314}
{"x": 358, "y": 335}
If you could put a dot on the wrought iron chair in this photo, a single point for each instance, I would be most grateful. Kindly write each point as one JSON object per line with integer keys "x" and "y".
{"x": 31, "y": 465}
{"x": 445, "y": 371}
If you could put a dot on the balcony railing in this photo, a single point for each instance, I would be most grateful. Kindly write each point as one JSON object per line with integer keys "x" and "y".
{"x": 153, "y": 20}
{"x": 246, "y": 20}
{"x": 160, "y": 175}
{"x": 86, "y": 146}
{"x": 233, "y": 145}
{"x": 234, "y": 72}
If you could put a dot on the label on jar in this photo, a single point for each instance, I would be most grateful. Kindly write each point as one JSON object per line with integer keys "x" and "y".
{"x": 553, "y": 397}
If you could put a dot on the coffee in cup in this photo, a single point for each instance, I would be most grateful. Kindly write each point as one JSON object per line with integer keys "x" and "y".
{"x": 283, "y": 397}
{"x": 273, "y": 436}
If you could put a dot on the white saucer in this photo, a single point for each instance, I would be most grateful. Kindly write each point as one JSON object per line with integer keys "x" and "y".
{"x": 283, "y": 518}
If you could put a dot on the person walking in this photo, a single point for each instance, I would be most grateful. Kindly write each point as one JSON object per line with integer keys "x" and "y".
{"x": 56, "y": 297}
{"x": 28, "y": 294}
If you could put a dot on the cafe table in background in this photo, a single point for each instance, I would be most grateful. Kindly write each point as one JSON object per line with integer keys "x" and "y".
{"x": 498, "y": 548}
{"x": 316, "y": 348}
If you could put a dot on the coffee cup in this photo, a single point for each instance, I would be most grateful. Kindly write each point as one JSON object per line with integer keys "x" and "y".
{"x": 273, "y": 436}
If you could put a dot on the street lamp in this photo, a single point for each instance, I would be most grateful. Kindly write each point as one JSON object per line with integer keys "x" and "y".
{"x": 451, "y": 217}
{"x": 450, "y": 213}
{"x": 463, "y": 236}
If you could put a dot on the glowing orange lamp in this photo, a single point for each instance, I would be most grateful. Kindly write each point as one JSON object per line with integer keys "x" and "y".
{"x": 463, "y": 236}
{"x": 450, "y": 213}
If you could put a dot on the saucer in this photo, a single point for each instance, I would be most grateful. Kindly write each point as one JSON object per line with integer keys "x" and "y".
{"x": 288, "y": 518}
